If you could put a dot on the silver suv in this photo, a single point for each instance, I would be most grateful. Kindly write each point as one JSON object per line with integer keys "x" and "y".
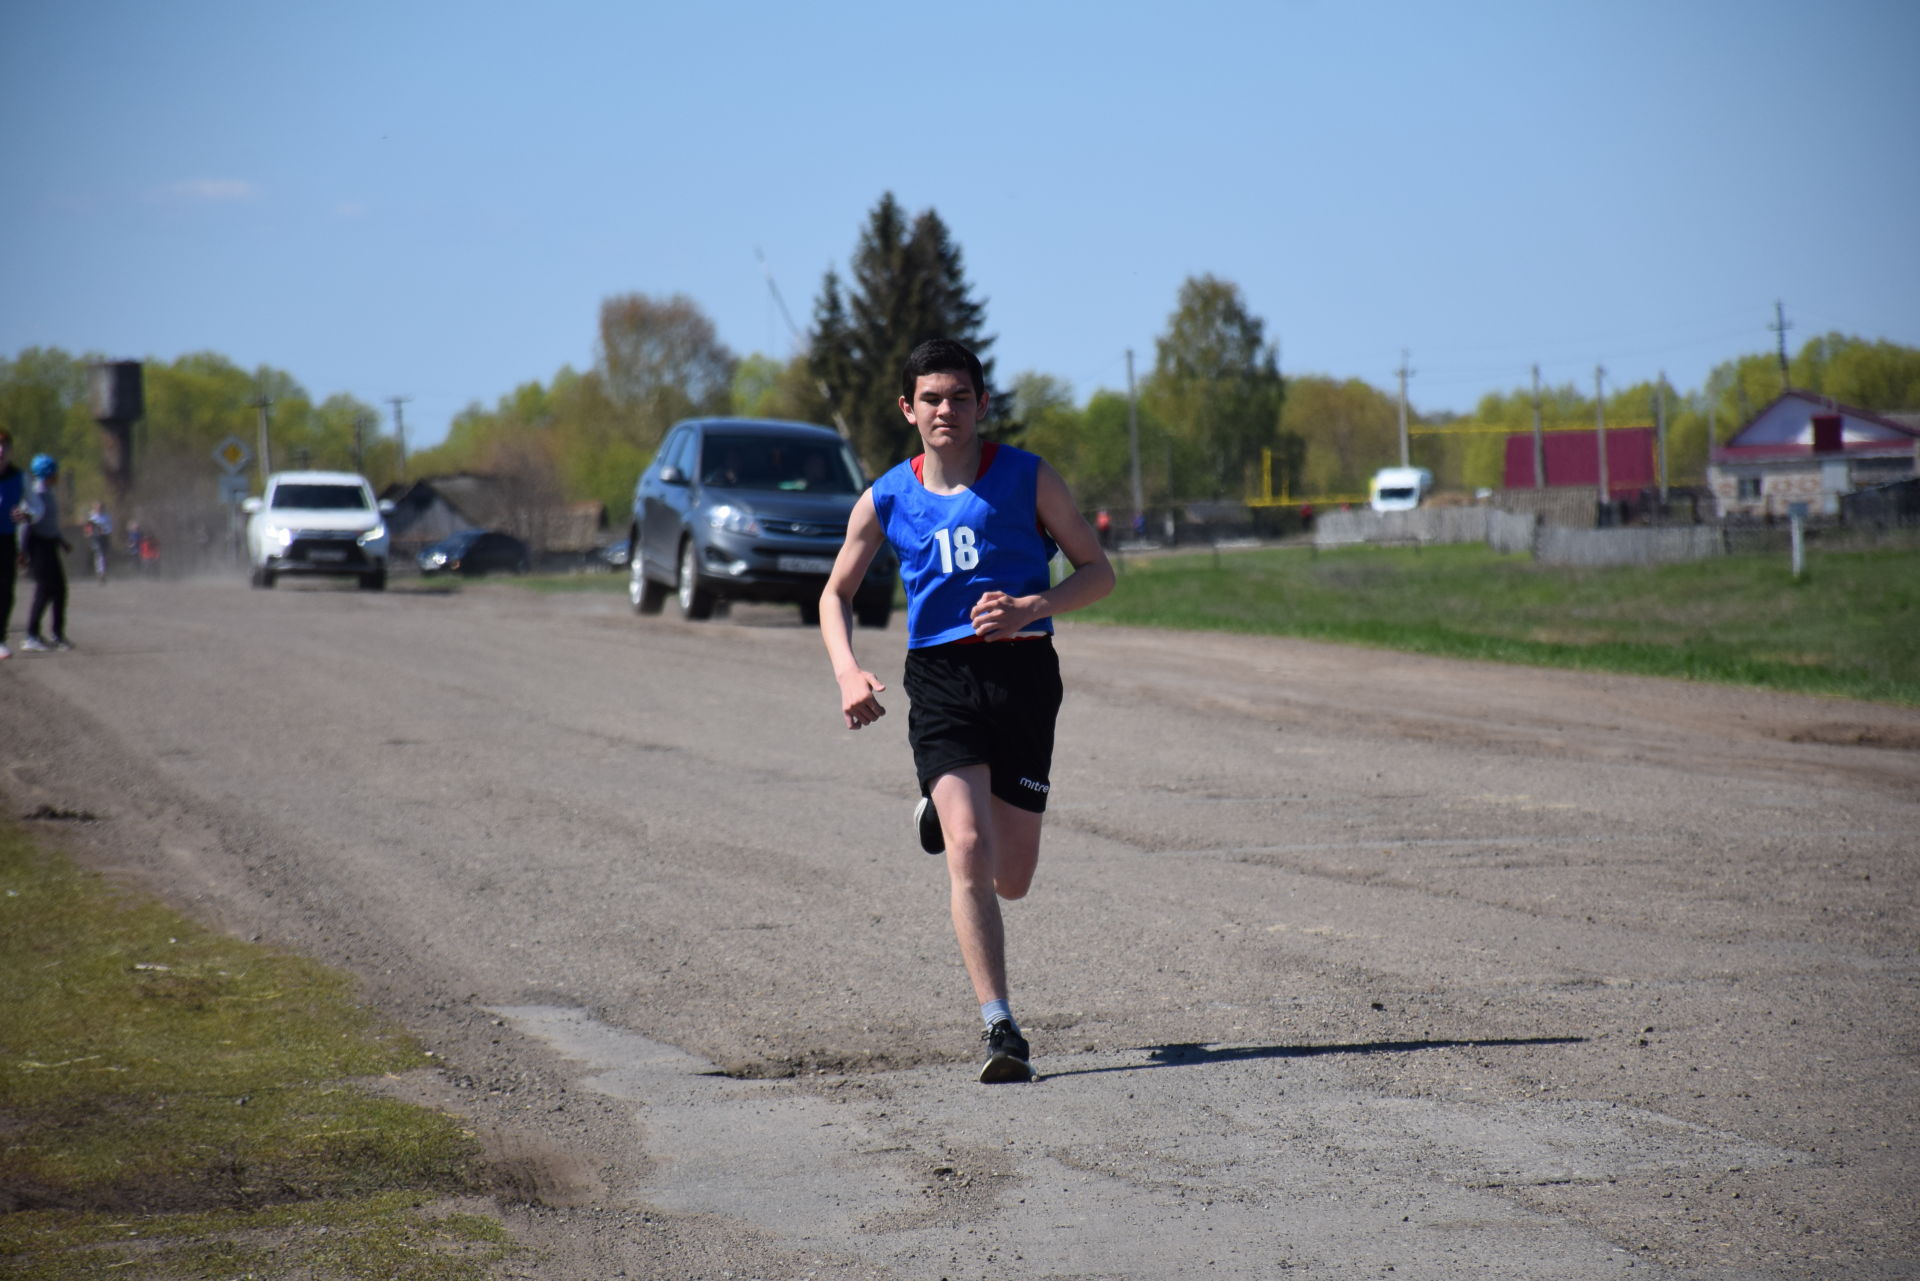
{"x": 748, "y": 509}
{"x": 317, "y": 522}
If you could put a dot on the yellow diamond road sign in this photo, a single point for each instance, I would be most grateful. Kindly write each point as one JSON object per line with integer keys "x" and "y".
{"x": 232, "y": 453}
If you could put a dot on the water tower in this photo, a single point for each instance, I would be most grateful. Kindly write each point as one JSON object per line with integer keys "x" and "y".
{"x": 118, "y": 401}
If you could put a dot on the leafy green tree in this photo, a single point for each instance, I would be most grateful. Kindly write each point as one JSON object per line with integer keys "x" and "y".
{"x": 1032, "y": 398}
{"x": 1052, "y": 425}
{"x": 908, "y": 284}
{"x": 1350, "y": 430}
{"x": 1881, "y": 377}
{"x": 756, "y": 386}
{"x": 39, "y": 390}
{"x": 662, "y": 360}
{"x": 1217, "y": 378}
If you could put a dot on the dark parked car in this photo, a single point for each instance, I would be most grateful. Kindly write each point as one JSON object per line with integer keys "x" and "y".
{"x": 611, "y": 554}
{"x": 475, "y": 551}
{"x": 748, "y": 509}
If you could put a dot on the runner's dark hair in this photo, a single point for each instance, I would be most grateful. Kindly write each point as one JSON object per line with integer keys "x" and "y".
{"x": 942, "y": 356}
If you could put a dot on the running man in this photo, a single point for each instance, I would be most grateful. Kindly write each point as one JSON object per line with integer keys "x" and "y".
{"x": 974, "y": 525}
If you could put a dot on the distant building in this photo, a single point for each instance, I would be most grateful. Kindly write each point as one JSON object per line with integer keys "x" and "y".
{"x": 1809, "y": 449}
{"x": 1573, "y": 460}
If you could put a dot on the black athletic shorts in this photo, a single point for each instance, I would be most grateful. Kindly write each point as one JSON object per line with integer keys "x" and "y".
{"x": 989, "y": 704}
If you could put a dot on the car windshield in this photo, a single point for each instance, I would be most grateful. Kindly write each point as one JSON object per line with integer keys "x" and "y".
{"x": 325, "y": 498}
{"x": 738, "y": 461}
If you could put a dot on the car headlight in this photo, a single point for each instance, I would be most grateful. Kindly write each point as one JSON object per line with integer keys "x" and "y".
{"x": 378, "y": 534}
{"x": 435, "y": 558}
{"x": 277, "y": 537}
{"x": 735, "y": 520}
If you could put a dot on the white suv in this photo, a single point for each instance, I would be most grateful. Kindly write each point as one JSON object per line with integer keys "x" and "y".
{"x": 317, "y": 522}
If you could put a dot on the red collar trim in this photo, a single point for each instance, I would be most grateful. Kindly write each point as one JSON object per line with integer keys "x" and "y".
{"x": 988, "y": 448}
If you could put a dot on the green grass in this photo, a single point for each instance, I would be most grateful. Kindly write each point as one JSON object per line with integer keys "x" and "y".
{"x": 178, "y": 1104}
{"x": 579, "y": 581}
{"x": 1850, "y": 626}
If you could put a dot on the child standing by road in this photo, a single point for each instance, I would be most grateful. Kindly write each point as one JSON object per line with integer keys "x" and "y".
{"x": 975, "y": 526}
{"x": 44, "y": 544}
{"x": 99, "y": 533}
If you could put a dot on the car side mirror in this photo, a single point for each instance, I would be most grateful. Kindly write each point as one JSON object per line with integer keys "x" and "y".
{"x": 672, "y": 476}
{"x": 251, "y": 505}
{"x": 386, "y": 507}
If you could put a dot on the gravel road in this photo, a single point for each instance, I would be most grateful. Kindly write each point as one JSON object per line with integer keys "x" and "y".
{"x": 1340, "y": 963}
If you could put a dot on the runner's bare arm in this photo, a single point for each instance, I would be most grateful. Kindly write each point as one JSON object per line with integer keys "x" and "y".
{"x": 857, "y": 686}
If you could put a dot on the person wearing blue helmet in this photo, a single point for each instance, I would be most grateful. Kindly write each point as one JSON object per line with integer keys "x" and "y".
{"x": 44, "y": 544}
{"x": 13, "y": 488}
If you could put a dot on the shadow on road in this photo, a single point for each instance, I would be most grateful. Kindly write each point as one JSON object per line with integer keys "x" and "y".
{"x": 1193, "y": 1053}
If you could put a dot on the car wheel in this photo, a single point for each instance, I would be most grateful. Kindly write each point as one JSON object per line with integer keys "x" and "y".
{"x": 645, "y": 595}
{"x": 696, "y": 602}
{"x": 374, "y": 582}
{"x": 263, "y": 577}
{"x": 873, "y": 615}
{"x": 810, "y": 613}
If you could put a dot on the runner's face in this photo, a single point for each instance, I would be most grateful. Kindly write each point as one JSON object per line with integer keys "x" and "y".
{"x": 944, "y": 409}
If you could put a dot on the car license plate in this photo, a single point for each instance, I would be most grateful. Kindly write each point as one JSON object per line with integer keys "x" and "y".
{"x": 327, "y": 554}
{"x": 804, "y": 564}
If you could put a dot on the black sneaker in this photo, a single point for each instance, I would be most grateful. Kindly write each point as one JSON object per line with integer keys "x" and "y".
{"x": 932, "y": 839}
{"x": 1006, "y": 1055}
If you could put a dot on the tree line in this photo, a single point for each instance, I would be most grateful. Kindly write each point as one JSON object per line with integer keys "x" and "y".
{"x": 1213, "y": 413}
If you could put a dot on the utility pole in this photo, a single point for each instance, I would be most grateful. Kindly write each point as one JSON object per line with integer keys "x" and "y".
{"x": 820, "y": 384}
{"x": 263, "y": 404}
{"x": 1405, "y": 373}
{"x": 1600, "y": 432}
{"x": 1660, "y": 432}
{"x": 1539, "y": 442}
{"x": 1780, "y": 326}
{"x": 1133, "y": 443}
{"x": 360, "y": 443}
{"x": 400, "y": 429}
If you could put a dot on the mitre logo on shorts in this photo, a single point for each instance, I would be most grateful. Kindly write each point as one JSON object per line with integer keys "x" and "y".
{"x": 1038, "y": 787}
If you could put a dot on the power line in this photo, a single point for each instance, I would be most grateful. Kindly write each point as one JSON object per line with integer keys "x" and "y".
{"x": 820, "y": 384}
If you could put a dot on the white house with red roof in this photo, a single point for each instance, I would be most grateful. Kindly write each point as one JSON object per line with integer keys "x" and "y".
{"x": 1805, "y": 448}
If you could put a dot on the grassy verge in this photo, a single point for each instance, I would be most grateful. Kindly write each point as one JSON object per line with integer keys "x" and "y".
{"x": 1850, "y": 626}
{"x": 579, "y": 581}
{"x": 177, "y": 1104}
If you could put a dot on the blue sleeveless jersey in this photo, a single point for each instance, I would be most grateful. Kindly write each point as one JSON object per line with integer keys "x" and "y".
{"x": 954, "y": 547}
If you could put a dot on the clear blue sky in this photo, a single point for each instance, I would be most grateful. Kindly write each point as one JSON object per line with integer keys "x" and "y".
{"x": 432, "y": 200}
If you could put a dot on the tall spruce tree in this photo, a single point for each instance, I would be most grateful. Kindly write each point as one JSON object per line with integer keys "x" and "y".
{"x": 907, "y": 284}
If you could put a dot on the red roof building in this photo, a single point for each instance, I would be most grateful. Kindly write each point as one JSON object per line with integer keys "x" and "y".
{"x": 1808, "y": 449}
{"x": 1573, "y": 460}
